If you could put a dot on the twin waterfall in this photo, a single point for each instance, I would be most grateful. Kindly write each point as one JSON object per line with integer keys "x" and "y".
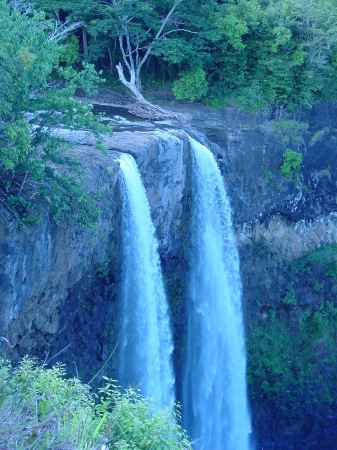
{"x": 146, "y": 346}
{"x": 215, "y": 410}
{"x": 214, "y": 389}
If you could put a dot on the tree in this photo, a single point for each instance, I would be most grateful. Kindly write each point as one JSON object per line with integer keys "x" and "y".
{"x": 274, "y": 53}
{"x": 255, "y": 53}
{"x": 36, "y": 166}
{"x": 138, "y": 27}
{"x": 80, "y": 11}
{"x": 132, "y": 57}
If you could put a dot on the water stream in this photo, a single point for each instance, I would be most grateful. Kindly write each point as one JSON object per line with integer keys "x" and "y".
{"x": 215, "y": 409}
{"x": 146, "y": 342}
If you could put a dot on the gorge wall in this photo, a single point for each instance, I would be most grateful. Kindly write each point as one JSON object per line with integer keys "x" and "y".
{"x": 287, "y": 234}
{"x": 59, "y": 284}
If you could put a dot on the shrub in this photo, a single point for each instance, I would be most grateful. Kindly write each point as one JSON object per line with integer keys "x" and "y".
{"x": 38, "y": 170}
{"x": 192, "y": 85}
{"x": 317, "y": 136}
{"x": 290, "y": 298}
{"x": 323, "y": 258}
{"x": 291, "y": 165}
{"x": 267, "y": 175}
{"x": 40, "y": 408}
{"x": 289, "y": 130}
{"x": 292, "y": 364}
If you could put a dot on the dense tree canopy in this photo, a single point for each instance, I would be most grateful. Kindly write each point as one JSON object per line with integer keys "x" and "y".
{"x": 37, "y": 86}
{"x": 255, "y": 53}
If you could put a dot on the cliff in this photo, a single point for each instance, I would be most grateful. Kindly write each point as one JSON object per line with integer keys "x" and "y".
{"x": 60, "y": 283}
{"x": 287, "y": 233}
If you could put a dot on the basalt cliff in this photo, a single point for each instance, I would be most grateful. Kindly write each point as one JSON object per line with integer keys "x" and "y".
{"x": 59, "y": 283}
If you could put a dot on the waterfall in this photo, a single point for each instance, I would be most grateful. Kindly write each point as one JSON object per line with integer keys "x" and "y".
{"x": 215, "y": 409}
{"x": 146, "y": 342}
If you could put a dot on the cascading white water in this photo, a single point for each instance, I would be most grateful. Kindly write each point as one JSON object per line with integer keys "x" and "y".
{"x": 215, "y": 405}
{"x": 146, "y": 342}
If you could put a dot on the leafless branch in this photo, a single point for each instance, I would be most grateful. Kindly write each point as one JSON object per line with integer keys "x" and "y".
{"x": 163, "y": 25}
{"x": 21, "y": 5}
{"x": 7, "y": 341}
{"x": 106, "y": 362}
{"x": 178, "y": 29}
{"x": 62, "y": 30}
{"x": 23, "y": 182}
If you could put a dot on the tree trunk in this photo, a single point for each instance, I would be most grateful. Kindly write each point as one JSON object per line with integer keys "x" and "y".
{"x": 138, "y": 79}
{"x": 135, "y": 63}
{"x": 110, "y": 58}
{"x": 85, "y": 43}
{"x": 130, "y": 84}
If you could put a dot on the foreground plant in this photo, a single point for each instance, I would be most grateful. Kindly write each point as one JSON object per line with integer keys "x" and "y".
{"x": 41, "y": 409}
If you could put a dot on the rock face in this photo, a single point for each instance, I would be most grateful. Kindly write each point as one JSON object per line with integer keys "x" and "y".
{"x": 282, "y": 227}
{"x": 59, "y": 284}
{"x": 290, "y": 218}
{"x": 40, "y": 267}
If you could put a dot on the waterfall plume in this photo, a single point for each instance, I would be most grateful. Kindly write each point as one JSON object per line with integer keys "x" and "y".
{"x": 146, "y": 343}
{"x": 215, "y": 408}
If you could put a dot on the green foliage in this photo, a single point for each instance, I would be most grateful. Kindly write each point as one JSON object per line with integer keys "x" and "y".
{"x": 317, "y": 136}
{"x": 267, "y": 175}
{"x": 273, "y": 52}
{"x": 290, "y": 298}
{"x": 291, "y": 165}
{"x": 325, "y": 172}
{"x": 307, "y": 190}
{"x": 256, "y": 53}
{"x": 192, "y": 85}
{"x": 324, "y": 258}
{"x": 317, "y": 286}
{"x": 331, "y": 269}
{"x": 41, "y": 408}
{"x": 261, "y": 247}
{"x": 250, "y": 98}
{"x": 38, "y": 171}
{"x": 289, "y": 130}
{"x": 280, "y": 186}
{"x": 70, "y": 53}
{"x": 292, "y": 365}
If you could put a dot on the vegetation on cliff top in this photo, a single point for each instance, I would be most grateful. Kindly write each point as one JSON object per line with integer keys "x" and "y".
{"x": 292, "y": 365}
{"x": 41, "y": 409}
{"x": 255, "y": 53}
{"x": 37, "y": 82}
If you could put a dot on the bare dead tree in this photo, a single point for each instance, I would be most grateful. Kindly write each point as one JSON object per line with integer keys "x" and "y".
{"x": 132, "y": 58}
{"x": 21, "y": 5}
